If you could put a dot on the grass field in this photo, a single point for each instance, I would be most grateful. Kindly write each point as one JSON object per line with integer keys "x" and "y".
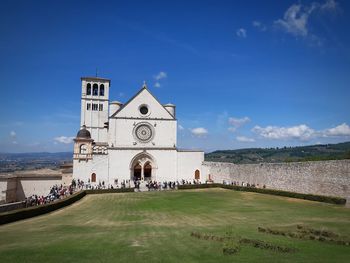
{"x": 157, "y": 227}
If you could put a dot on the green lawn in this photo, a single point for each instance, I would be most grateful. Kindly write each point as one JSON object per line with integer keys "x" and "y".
{"x": 157, "y": 227}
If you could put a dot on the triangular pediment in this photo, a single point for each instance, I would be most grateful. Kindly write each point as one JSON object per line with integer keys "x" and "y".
{"x": 144, "y": 97}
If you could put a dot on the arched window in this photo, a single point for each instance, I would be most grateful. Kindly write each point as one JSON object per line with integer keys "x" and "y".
{"x": 95, "y": 90}
{"x": 83, "y": 149}
{"x": 93, "y": 178}
{"x": 88, "y": 89}
{"x": 197, "y": 175}
{"x": 102, "y": 90}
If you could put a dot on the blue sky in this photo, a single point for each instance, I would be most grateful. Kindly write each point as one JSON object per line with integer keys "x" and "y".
{"x": 241, "y": 73}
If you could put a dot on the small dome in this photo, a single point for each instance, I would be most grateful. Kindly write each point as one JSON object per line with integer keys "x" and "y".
{"x": 84, "y": 133}
{"x": 116, "y": 102}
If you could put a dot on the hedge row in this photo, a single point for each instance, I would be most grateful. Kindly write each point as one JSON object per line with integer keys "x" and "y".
{"x": 198, "y": 186}
{"x": 107, "y": 191}
{"x": 29, "y": 212}
{"x": 318, "y": 198}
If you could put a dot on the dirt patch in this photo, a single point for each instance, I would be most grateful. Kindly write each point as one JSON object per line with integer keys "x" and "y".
{"x": 136, "y": 243}
{"x": 248, "y": 196}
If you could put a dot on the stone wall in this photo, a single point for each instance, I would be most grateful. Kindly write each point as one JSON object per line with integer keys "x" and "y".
{"x": 18, "y": 185}
{"x": 3, "y": 188}
{"x": 330, "y": 178}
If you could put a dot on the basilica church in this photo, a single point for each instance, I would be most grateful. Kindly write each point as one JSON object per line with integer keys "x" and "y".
{"x": 135, "y": 140}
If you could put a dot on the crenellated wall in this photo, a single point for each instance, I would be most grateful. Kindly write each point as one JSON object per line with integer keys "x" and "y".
{"x": 320, "y": 177}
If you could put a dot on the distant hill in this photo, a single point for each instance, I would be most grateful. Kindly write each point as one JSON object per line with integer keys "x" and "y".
{"x": 10, "y": 162}
{"x": 285, "y": 154}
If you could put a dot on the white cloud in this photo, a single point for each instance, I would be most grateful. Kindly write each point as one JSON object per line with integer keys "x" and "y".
{"x": 300, "y": 132}
{"x": 295, "y": 19}
{"x": 237, "y": 122}
{"x": 160, "y": 75}
{"x": 340, "y": 130}
{"x": 199, "y": 132}
{"x": 64, "y": 139}
{"x": 330, "y": 5}
{"x": 181, "y": 128}
{"x": 244, "y": 139}
{"x": 259, "y": 25}
{"x": 13, "y": 134}
{"x": 256, "y": 23}
{"x": 241, "y": 32}
{"x": 14, "y": 142}
{"x": 232, "y": 129}
{"x": 18, "y": 123}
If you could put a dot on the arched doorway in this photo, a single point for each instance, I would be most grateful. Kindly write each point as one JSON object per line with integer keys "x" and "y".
{"x": 197, "y": 175}
{"x": 143, "y": 167}
{"x": 147, "y": 171}
{"x": 137, "y": 171}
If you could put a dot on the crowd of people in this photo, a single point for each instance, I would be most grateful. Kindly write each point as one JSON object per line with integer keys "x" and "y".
{"x": 166, "y": 185}
{"x": 56, "y": 192}
{"x": 154, "y": 185}
{"x": 245, "y": 184}
{"x": 151, "y": 185}
{"x": 59, "y": 191}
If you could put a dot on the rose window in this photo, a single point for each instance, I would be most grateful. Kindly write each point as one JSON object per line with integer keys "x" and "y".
{"x": 143, "y": 132}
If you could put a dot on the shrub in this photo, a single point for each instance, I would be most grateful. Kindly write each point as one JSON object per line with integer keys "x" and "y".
{"x": 308, "y": 234}
{"x": 230, "y": 248}
{"x": 198, "y": 186}
{"x": 264, "y": 245}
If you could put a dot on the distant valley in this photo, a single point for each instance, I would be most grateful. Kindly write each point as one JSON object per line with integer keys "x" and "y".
{"x": 10, "y": 162}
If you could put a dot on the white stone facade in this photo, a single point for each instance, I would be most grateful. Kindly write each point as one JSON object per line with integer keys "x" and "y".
{"x": 135, "y": 140}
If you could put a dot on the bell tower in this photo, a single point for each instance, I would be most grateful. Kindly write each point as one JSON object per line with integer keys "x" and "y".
{"x": 94, "y": 106}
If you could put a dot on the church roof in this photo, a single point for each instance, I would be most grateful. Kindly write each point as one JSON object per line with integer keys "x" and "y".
{"x": 84, "y": 133}
{"x": 116, "y": 102}
{"x": 169, "y": 105}
{"x": 144, "y": 87}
